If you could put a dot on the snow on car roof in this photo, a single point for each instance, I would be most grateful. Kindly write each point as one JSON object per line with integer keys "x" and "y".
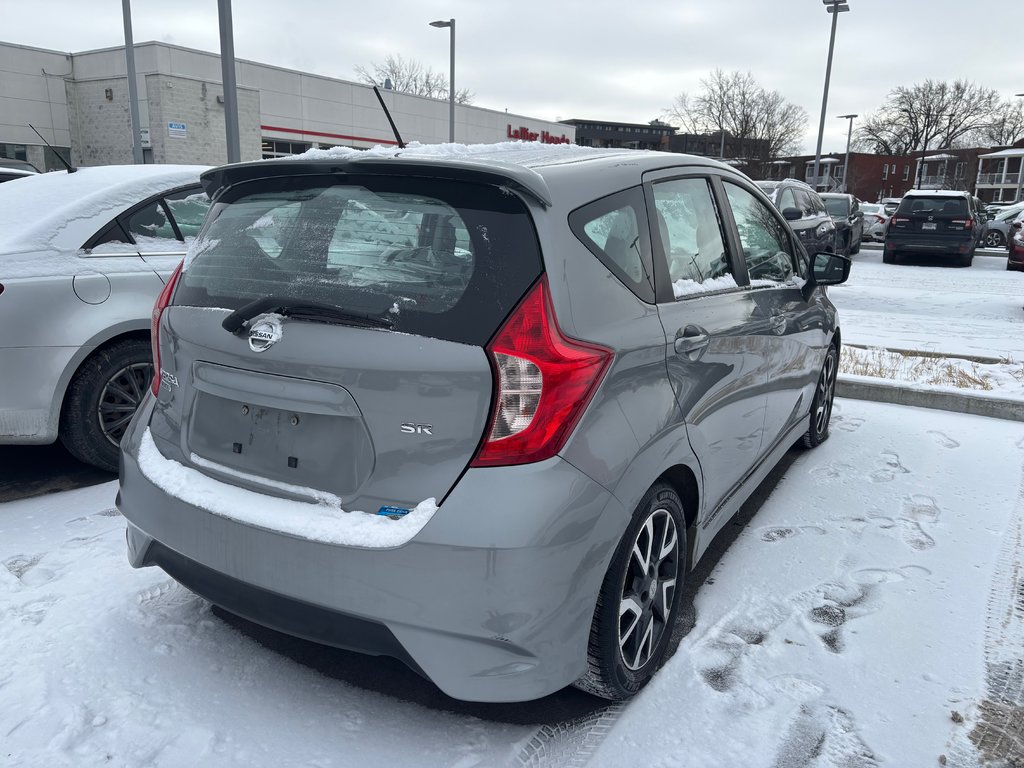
{"x": 935, "y": 193}
{"x": 61, "y": 211}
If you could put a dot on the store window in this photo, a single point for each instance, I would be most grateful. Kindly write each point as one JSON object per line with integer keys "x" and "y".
{"x": 278, "y": 148}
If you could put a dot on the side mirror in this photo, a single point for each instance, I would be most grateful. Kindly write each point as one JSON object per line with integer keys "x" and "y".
{"x": 826, "y": 269}
{"x": 792, "y": 214}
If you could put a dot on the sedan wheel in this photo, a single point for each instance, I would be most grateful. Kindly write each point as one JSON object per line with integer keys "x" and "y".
{"x": 639, "y": 599}
{"x": 102, "y": 399}
{"x": 994, "y": 239}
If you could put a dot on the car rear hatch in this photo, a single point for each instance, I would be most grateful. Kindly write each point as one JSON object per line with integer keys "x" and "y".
{"x": 326, "y": 334}
{"x": 939, "y": 217}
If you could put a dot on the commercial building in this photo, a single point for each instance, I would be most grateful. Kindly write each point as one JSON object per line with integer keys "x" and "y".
{"x": 602, "y": 133}
{"x": 79, "y": 103}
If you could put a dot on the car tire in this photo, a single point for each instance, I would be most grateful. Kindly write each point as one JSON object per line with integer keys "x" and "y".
{"x": 856, "y": 249}
{"x": 889, "y": 257}
{"x": 994, "y": 239}
{"x": 101, "y": 399}
{"x": 821, "y": 405}
{"x": 639, "y": 599}
{"x": 967, "y": 259}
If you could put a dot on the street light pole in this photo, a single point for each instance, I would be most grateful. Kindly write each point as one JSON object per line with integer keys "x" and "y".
{"x": 1020, "y": 170}
{"x": 451, "y": 78}
{"x": 846, "y": 165}
{"x": 835, "y": 7}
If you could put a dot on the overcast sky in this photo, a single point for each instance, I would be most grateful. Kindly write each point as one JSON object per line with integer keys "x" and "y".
{"x": 622, "y": 60}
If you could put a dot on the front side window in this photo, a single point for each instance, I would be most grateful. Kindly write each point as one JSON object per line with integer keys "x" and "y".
{"x": 691, "y": 235}
{"x": 837, "y": 206}
{"x": 767, "y": 249}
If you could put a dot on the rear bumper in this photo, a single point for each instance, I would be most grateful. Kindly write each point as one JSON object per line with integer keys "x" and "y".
{"x": 924, "y": 245}
{"x": 492, "y": 600}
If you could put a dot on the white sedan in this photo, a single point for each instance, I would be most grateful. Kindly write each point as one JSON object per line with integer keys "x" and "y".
{"x": 83, "y": 257}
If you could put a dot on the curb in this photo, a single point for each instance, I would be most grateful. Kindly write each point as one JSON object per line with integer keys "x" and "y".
{"x": 858, "y": 388}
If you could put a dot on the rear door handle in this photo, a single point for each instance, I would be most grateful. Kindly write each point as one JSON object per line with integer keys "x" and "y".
{"x": 692, "y": 339}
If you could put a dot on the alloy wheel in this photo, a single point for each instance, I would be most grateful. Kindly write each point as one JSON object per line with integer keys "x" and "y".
{"x": 826, "y": 394}
{"x": 121, "y": 397}
{"x": 993, "y": 239}
{"x": 648, "y": 591}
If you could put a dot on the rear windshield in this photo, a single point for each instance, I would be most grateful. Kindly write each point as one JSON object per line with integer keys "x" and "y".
{"x": 837, "y": 206}
{"x": 432, "y": 257}
{"x": 932, "y": 206}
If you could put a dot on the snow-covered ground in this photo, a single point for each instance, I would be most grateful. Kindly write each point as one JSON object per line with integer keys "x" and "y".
{"x": 978, "y": 311}
{"x": 844, "y": 626}
{"x": 868, "y": 614}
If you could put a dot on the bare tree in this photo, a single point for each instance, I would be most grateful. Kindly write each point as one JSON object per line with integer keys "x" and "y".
{"x": 1005, "y": 128}
{"x": 736, "y": 103}
{"x": 945, "y": 114}
{"x": 410, "y": 76}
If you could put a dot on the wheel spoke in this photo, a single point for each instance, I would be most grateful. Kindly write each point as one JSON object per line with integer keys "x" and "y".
{"x": 643, "y": 546}
{"x": 668, "y": 538}
{"x": 629, "y": 607}
{"x": 664, "y": 603}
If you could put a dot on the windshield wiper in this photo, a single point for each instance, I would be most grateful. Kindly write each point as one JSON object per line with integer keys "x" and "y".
{"x": 299, "y": 308}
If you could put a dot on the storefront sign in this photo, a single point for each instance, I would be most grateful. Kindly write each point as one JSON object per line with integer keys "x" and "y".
{"x": 523, "y": 133}
{"x": 177, "y": 130}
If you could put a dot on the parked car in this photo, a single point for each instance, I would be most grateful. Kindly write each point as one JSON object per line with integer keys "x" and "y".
{"x": 543, "y": 428}
{"x": 11, "y": 169}
{"x": 995, "y": 231}
{"x": 803, "y": 208}
{"x": 890, "y": 204}
{"x": 1015, "y": 258}
{"x": 875, "y": 221}
{"x": 83, "y": 257}
{"x": 846, "y": 214}
{"x": 938, "y": 223}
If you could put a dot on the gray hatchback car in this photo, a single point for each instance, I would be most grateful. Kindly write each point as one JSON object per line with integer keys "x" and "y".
{"x": 480, "y": 409}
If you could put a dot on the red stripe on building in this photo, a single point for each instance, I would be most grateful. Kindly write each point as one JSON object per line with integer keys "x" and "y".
{"x": 327, "y": 135}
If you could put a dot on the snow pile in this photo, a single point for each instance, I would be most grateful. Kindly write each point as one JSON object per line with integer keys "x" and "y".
{"x": 323, "y": 520}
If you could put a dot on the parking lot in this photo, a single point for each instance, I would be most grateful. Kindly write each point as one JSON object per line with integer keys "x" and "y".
{"x": 860, "y": 611}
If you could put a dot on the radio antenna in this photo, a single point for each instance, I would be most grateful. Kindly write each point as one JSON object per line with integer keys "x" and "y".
{"x": 71, "y": 168}
{"x": 394, "y": 128}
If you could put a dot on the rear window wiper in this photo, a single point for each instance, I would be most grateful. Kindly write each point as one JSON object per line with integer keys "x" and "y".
{"x": 299, "y": 308}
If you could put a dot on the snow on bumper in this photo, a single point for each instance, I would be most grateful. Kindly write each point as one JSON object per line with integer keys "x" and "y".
{"x": 491, "y": 599}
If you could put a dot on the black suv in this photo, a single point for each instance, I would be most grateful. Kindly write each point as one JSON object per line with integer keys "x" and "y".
{"x": 931, "y": 222}
{"x": 848, "y": 218}
{"x": 803, "y": 208}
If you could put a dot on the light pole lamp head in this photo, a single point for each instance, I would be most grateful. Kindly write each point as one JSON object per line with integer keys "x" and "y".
{"x": 836, "y": 6}
{"x": 449, "y": 23}
{"x": 846, "y": 117}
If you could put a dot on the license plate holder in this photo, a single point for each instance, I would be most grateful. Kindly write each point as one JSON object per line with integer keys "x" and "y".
{"x": 929, "y": 225}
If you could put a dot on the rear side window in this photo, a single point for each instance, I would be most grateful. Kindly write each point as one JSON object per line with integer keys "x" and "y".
{"x": 432, "y": 257}
{"x": 615, "y": 230}
{"x": 837, "y": 206}
{"x": 931, "y": 206}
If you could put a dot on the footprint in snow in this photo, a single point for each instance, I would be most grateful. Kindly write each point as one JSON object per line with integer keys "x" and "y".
{"x": 831, "y": 471}
{"x": 893, "y": 468}
{"x": 943, "y": 439}
{"x": 785, "y": 532}
{"x": 827, "y": 732}
{"x": 846, "y": 423}
{"x": 922, "y": 509}
{"x": 914, "y": 536}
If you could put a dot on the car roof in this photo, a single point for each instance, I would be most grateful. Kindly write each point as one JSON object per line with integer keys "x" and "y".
{"x": 834, "y": 194}
{"x": 936, "y": 193}
{"x": 545, "y": 172}
{"x": 11, "y": 163}
{"x": 61, "y": 211}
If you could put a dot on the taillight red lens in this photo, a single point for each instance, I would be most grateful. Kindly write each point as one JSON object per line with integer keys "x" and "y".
{"x": 154, "y": 330}
{"x": 543, "y": 383}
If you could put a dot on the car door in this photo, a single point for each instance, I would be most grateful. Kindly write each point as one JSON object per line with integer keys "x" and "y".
{"x": 788, "y": 327}
{"x": 716, "y": 365}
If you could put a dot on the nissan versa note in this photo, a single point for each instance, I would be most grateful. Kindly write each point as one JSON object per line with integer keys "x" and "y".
{"x": 480, "y": 409}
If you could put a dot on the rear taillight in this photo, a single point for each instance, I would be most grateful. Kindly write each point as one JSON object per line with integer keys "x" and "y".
{"x": 1, "y": 288}
{"x": 543, "y": 383}
{"x": 154, "y": 331}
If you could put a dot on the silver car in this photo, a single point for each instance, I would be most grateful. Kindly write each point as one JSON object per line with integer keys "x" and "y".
{"x": 479, "y": 410}
{"x": 83, "y": 257}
